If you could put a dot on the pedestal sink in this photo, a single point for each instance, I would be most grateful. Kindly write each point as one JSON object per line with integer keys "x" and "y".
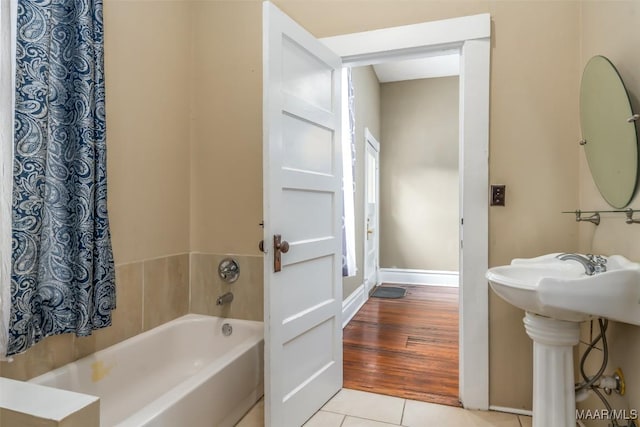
{"x": 557, "y": 295}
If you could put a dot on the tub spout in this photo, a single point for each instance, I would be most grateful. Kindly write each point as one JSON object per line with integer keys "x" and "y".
{"x": 224, "y": 299}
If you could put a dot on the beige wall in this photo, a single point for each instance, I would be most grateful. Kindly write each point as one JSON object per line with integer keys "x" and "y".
{"x": 611, "y": 29}
{"x": 366, "y": 106}
{"x": 185, "y": 127}
{"x": 419, "y": 174}
{"x": 155, "y": 177}
{"x": 226, "y": 155}
{"x": 532, "y": 151}
{"x": 148, "y": 127}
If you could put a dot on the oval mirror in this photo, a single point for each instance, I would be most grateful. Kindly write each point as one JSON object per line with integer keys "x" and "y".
{"x": 608, "y": 132}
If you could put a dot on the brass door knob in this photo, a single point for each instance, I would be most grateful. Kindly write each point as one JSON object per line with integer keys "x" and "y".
{"x": 283, "y": 246}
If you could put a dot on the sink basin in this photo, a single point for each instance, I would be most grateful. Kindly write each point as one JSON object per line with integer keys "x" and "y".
{"x": 562, "y": 290}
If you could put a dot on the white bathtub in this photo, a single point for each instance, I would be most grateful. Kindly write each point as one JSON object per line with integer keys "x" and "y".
{"x": 183, "y": 373}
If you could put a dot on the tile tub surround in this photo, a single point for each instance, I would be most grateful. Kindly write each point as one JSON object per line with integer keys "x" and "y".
{"x": 207, "y": 286}
{"x": 149, "y": 293}
{"x": 165, "y": 290}
{"x": 353, "y": 408}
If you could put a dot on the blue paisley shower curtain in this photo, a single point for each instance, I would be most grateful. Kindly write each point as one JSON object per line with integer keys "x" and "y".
{"x": 62, "y": 276}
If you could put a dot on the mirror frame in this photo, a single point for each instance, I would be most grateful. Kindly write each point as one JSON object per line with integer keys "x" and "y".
{"x": 609, "y": 132}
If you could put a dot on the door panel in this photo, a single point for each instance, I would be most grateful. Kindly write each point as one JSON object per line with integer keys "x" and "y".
{"x": 302, "y": 203}
{"x": 307, "y": 146}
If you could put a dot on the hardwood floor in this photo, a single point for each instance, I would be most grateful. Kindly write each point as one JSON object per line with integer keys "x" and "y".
{"x": 406, "y": 347}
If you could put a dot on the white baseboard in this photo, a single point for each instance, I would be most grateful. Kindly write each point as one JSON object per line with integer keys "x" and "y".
{"x": 419, "y": 277}
{"x": 511, "y": 410}
{"x": 352, "y": 304}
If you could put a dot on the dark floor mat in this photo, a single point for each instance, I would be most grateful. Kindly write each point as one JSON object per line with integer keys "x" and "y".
{"x": 389, "y": 292}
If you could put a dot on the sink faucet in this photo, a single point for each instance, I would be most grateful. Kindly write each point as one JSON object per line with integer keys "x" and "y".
{"x": 592, "y": 264}
{"x": 224, "y": 299}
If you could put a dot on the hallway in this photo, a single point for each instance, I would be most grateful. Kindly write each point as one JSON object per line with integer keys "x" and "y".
{"x": 406, "y": 347}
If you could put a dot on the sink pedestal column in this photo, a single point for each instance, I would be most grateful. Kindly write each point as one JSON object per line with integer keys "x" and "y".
{"x": 554, "y": 402}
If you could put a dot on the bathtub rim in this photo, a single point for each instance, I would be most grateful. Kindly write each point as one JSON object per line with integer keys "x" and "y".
{"x": 187, "y": 318}
{"x": 171, "y": 396}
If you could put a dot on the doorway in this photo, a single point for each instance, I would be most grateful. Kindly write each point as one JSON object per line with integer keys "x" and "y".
{"x": 470, "y": 37}
{"x": 412, "y": 340}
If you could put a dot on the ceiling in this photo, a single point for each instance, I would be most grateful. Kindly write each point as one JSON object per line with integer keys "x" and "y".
{"x": 419, "y": 68}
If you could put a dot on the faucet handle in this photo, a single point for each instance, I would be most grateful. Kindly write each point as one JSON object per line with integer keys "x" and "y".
{"x": 600, "y": 260}
{"x": 600, "y": 264}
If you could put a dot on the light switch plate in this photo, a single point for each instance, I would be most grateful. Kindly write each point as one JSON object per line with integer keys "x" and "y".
{"x": 498, "y": 193}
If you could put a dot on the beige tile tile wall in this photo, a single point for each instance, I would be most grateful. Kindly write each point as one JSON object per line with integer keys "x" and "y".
{"x": 149, "y": 293}
{"x": 46, "y": 355}
{"x": 166, "y": 290}
{"x": 126, "y": 318}
{"x": 207, "y": 286}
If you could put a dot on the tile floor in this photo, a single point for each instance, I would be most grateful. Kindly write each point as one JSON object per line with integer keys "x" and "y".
{"x": 352, "y": 408}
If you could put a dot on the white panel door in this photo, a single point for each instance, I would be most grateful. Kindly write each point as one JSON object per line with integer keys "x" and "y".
{"x": 371, "y": 208}
{"x": 303, "y": 205}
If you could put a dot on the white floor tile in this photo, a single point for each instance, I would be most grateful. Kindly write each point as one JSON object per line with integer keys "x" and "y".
{"x": 255, "y": 417}
{"x": 418, "y": 414}
{"x": 361, "y": 422}
{"x": 351, "y": 408}
{"x": 370, "y": 406}
{"x": 325, "y": 419}
{"x": 525, "y": 421}
{"x": 422, "y": 414}
{"x": 492, "y": 419}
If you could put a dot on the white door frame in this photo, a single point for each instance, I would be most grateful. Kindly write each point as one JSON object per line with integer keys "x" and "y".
{"x": 470, "y": 36}
{"x": 370, "y": 140}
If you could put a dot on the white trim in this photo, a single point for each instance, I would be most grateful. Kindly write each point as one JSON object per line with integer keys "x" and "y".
{"x": 474, "y": 236}
{"x": 352, "y": 304}
{"x": 419, "y": 277}
{"x": 471, "y": 37}
{"x": 371, "y": 140}
{"x": 511, "y": 410}
{"x": 409, "y": 40}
